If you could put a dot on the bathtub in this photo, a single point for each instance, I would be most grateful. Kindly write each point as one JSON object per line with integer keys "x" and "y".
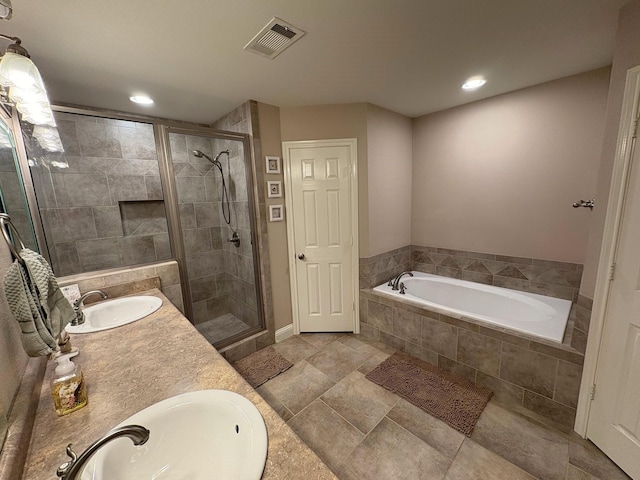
{"x": 538, "y": 315}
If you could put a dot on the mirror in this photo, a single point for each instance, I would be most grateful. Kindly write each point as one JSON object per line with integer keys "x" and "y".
{"x": 13, "y": 199}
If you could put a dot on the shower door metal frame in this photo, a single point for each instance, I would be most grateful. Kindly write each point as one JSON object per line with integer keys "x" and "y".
{"x": 172, "y": 210}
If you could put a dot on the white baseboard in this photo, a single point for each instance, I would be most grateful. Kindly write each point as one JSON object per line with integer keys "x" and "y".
{"x": 284, "y": 333}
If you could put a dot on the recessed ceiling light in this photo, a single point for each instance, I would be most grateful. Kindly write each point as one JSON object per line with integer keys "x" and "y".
{"x": 141, "y": 99}
{"x": 473, "y": 83}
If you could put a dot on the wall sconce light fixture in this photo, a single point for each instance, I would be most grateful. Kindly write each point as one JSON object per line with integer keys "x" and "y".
{"x": 22, "y": 87}
{"x": 6, "y": 10}
{"x": 23, "y": 84}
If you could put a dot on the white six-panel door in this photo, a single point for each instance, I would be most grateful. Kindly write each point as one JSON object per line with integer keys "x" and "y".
{"x": 614, "y": 414}
{"x": 321, "y": 225}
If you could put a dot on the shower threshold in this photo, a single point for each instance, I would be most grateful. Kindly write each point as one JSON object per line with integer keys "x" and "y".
{"x": 221, "y": 328}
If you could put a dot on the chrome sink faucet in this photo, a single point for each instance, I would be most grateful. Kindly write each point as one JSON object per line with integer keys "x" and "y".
{"x": 396, "y": 281}
{"x": 77, "y": 306}
{"x": 71, "y": 470}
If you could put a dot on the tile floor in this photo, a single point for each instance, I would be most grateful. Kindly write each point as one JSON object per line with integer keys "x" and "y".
{"x": 362, "y": 431}
{"x": 221, "y": 327}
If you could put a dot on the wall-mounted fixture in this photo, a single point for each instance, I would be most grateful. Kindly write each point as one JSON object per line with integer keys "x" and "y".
{"x": 585, "y": 203}
{"x": 6, "y": 10}
{"x": 23, "y": 88}
{"x": 23, "y": 84}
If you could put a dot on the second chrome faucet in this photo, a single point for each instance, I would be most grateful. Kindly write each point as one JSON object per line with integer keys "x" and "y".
{"x": 394, "y": 283}
{"x": 77, "y": 306}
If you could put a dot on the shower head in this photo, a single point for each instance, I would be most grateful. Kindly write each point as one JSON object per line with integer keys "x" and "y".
{"x": 200, "y": 154}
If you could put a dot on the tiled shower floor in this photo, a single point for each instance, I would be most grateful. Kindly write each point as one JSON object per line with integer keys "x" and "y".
{"x": 362, "y": 431}
{"x": 221, "y": 327}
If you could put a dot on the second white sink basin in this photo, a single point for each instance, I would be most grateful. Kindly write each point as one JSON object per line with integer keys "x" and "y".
{"x": 198, "y": 435}
{"x": 115, "y": 313}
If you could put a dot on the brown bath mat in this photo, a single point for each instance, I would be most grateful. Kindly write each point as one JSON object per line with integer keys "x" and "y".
{"x": 261, "y": 366}
{"x": 454, "y": 400}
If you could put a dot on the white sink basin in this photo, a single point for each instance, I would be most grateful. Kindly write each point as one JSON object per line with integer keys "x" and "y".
{"x": 115, "y": 313}
{"x": 197, "y": 436}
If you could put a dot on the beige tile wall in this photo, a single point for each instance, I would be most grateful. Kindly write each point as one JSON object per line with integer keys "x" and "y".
{"x": 545, "y": 277}
{"x": 380, "y": 268}
{"x": 101, "y": 200}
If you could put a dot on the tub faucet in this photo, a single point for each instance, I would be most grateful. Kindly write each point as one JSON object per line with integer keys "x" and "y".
{"x": 77, "y": 306}
{"x": 396, "y": 281}
{"x": 71, "y": 470}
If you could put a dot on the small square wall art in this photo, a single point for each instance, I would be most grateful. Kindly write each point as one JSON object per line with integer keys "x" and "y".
{"x": 276, "y": 213}
{"x": 274, "y": 189}
{"x": 272, "y": 164}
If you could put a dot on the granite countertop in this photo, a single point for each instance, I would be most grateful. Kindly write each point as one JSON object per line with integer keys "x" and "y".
{"x": 131, "y": 367}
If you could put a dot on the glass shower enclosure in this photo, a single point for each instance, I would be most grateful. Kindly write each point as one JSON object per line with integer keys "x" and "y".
{"x": 130, "y": 190}
{"x": 214, "y": 210}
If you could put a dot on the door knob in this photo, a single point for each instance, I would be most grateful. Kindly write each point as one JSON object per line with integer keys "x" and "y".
{"x": 301, "y": 256}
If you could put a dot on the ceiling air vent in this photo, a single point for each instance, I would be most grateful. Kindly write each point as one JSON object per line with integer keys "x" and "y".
{"x": 274, "y": 38}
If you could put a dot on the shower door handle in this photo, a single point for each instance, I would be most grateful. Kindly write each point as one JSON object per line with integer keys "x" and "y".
{"x": 301, "y": 256}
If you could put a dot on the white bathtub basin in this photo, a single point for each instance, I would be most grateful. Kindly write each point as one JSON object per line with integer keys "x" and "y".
{"x": 529, "y": 313}
{"x": 115, "y": 313}
{"x": 198, "y": 435}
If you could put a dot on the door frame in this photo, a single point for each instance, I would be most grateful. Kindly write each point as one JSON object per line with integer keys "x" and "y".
{"x": 352, "y": 144}
{"x": 615, "y": 208}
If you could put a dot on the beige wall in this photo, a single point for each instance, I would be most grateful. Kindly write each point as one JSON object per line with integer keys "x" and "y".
{"x": 500, "y": 175}
{"x": 322, "y": 122}
{"x": 269, "y": 121}
{"x": 626, "y": 55}
{"x": 389, "y": 160}
{"x": 12, "y": 357}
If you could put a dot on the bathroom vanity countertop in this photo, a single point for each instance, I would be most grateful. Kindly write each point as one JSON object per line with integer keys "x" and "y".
{"x": 131, "y": 367}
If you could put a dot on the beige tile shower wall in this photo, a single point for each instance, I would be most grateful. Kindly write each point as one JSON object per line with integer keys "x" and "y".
{"x": 101, "y": 200}
{"x": 626, "y": 55}
{"x": 500, "y": 175}
{"x": 544, "y": 277}
{"x": 166, "y": 271}
{"x": 525, "y": 373}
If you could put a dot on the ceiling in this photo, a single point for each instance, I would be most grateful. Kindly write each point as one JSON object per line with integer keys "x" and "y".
{"x": 409, "y": 56}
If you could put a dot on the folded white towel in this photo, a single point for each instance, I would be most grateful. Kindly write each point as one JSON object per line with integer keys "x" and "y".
{"x": 37, "y": 303}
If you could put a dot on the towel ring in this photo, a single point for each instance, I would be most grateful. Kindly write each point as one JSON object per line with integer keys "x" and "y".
{"x": 5, "y": 221}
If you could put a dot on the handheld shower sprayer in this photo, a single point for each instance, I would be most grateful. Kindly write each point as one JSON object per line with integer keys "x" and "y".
{"x": 226, "y": 208}
{"x": 200, "y": 154}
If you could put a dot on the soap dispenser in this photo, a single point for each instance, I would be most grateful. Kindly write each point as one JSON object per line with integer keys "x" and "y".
{"x": 67, "y": 387}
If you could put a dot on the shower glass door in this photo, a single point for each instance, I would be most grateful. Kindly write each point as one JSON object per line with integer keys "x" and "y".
{"x": 213, "y": 187}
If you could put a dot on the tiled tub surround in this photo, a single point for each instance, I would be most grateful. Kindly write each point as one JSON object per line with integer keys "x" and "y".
{"x": 530, "y": 375}
{"x": 380, "y": 268}
{"x": 537, "y": 315}
{"x": 544, "y": 277}
{"x": 101, "y": 200}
